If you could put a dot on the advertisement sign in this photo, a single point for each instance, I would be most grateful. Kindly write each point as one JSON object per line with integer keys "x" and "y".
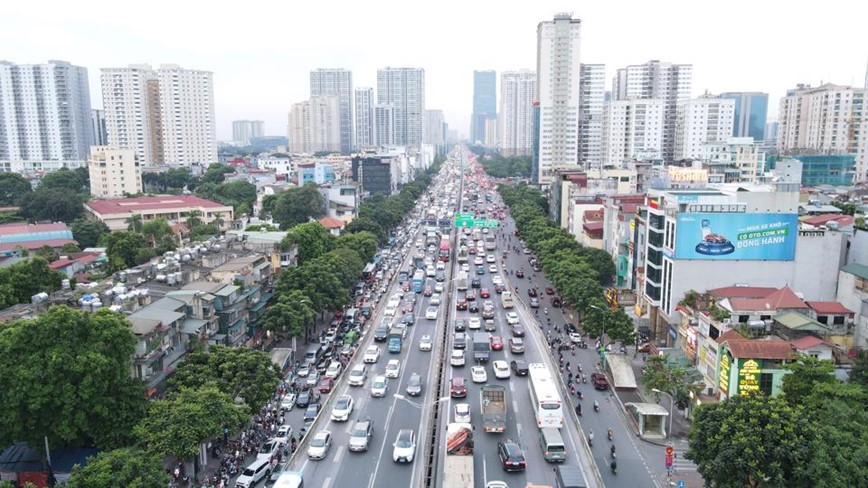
{"x": 748, "y": 376}
{"x": 723, "y": 381}
{"x": 732, "y": 236}
{"x": 693, "y": 176}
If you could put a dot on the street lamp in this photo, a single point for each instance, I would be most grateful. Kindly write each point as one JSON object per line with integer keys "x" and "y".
{"x": 420, "y": 406}
{"x": 671, "y": 406}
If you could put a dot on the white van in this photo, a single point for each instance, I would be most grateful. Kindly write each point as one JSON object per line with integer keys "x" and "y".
{"x": 506, "y": 299}
{"x": 253, "y": 473}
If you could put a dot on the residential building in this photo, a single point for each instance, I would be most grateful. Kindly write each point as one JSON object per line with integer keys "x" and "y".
{"x": 738, "y": 159}
{"x": 404, "y": 89}
{"x": 337, "y": 82}
{"x": 97, "y": 122}
{"x": 113, "y": 172}
{"x": 333, "y": 225}
{"x": 517, "y": 92}
{"x": 572, "y": 189}
{"x": 115, "y": 212}
{"x": 484, "y": 103}
{"x": 244, "y": 130}
{"x": 700, "y": 121}
{"x": 33, "y": 236}
{"x": 281, "y": 166}
{"x": 558, "y": 77}
{"x": 619, "y": 212}
{"x": 853, "y": 294}
{"x": 376, "y": 174}
{"x": 165, "y": 115}
{"x": 749, "y": 118}
{"x": 46, "y": 123}
{"x": 364, "y": 113}
{"x": 434, "y": 123}
{"x": 770, "y": 137}
{"x": 342, "y": 200}
{"x": 667, "y": 82}
{"x": 317, "y": 173}
{"x": 314, "y": 125}
{"x": 633, "y": 129}
{"x": 750, "y": 366}
{"x": 491, "y": 131}
{"x": 383, "y": 125}
{"x": 592, "y": 83}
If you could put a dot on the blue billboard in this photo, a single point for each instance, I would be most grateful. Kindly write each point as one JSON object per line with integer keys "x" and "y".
{"x": 732, "y": 236}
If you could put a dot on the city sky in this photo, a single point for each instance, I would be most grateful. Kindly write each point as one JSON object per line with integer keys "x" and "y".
{"x": 261, "y": 52}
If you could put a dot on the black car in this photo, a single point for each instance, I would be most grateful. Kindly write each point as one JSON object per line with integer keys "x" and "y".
{"x": 459, "y": 340}
{"x": 519, "y": 367}
{"x": 511, "y": 457}
{"x": 311, "y": 412}
{"x": 304, "y": 398}
{"x": 473, "y": 307}
{"x": 440, "y": 276}
{"x": 381, "y": 333}
{"x": 475, "y": 283}
{"x": 408, "y": 319}
{"x": 460, "y": 325}
{"x": 519, "y": 273}
{"x": 517, "y": 330}
{"x": 534, "y": 302}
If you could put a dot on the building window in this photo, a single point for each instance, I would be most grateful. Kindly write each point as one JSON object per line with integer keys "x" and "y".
{"x": 838, "y": 320}
{"x": 743, "y": 319}
{"x": 766, "y": 383}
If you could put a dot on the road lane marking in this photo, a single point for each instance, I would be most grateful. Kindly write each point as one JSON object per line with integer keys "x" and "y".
{"x": 339, "y": 454}
{"x": 385, "y": 441}
{"x": 327, "y": 482}
{"x": 512, "y": 387}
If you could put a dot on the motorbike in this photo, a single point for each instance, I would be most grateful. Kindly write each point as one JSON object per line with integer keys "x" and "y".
{"x": 596, "y": 406}
{"x": 584, "y": 378}
{"x": 610, "y": 435}
{"x": 614, "y": 467}
{"x": 591, "y": 440}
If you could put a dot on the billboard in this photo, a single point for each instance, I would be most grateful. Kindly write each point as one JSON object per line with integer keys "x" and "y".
{"x": 732, "y": 236}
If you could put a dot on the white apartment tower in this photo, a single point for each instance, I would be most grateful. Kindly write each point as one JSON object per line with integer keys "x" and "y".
{"x": 515, "y": 117}
{"x": 633, "y": 130}
{"x": 383, "y": 124}
{"x": 113, "y": 172}
{"x": 592, "y": 83}
{"x": 363, "y": 113}
{"x": 558, "y": 76}
{"x": 668, "y": 82}
{"x": 166, "y": 115}
{"x": 702, "y": 120}
{"x": 45, "y": 116}
{"x": 244, "y": 130}
{"x": 404, "y": 89}
{"x": 337, "y": 82}
{"x": 434, "y": 120}
{"x": 314, "y": 125}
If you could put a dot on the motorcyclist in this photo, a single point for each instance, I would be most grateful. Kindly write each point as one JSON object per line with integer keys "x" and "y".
{"x": 597, "y": 406}
{"x": 610, "y": 434}
{"x": 591, "y": 438}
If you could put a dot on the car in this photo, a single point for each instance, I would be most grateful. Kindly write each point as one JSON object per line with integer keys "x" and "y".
{"x": 435, "y": 299}
{"x": 496, "y": 484}
{"x": 425, "y": 343}
{"x": 473, "y": 308}
{"x": 347, "y": 350}
{"x": 471, "y": 249}
{"x": 484, "y": 293}
{"x": 304, "y": 371}
{"x": 311, "y": 412}
{"x": 438, "y": 287}
{"x": 361, "y": 435}
{"x": 470, "y": 295}
{"x": 531, "y": 292}
{"x": 342, "y": 409}
{"x": 440, "y": 276}
{"x": 478, "y": 374}
{"x": 312, "y": 379}
{"x": 456, "y": 359}
{"x": 459, "y": 340}
{"x": 459, "y": 325}
{"x": 526, "y": 250}
{"x": 465, "y": 267}
{"x": 357, "y": 375}
{"x": 372, "y": 354}
{"x": 283, "y": 434}
{"x": 379, "y": 385}
{"x": 441, "y": 265}
{"x": 393, "y": 368}
{"x": 479, "y": 261}
{"x": 414, "y": 385}
{"x": 600, "y": 382}
{"x": 576, "y": 338}
{"x": 516, "y": 345}
{"x": 404, "y": 448}
{"x": 326, "y": 384}
{"x": 501, "y": 370}
{"x": 428, "y": 291}
{"x": 511, "y": 457}
{"x": 550, "y": 290}
{"x": 458, "y": 387}
{"x": 534, "y": 302}
{"x": 480, "y": 270}
{"x": 319, "y": 445}
{"x": 461, "y": 413}
{"x": 518, "y": 367}
{"x": 511, "y": 318}
{"x": 431, "y": 313}
{"x": 519, "y": 273}
{"x": 496, "y": 343}
{"x": 490, "y": 325}
{"x": 381, "y": 333}
{"x": 404, "y": 286}
{"x": 268, "y": 450}
{"x": 334, "y": 370}
{"x": 408, "y": 319}
{"x": 287, "y": 402}
{"x": 490, "y": 258}
{"x": 475, "y": 283}
{"x": 517, "y": 330}
{"x": 305, "y": 398}
{"x": 407, "y": 306}
{"x": 474, "y": 323}
{"x": 499, "y": 288}
{"x": 492, "y": 268}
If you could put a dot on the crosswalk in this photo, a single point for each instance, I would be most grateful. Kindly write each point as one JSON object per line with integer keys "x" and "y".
{"x": 681, "y": 463}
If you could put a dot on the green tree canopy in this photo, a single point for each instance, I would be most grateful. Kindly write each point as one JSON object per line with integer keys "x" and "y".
{"x": 292, "y": 315}
{"x": 507, "y": 167}
{"x": 64, "y": 179}
{"x": 20, "y": 281}
{"x": 313, "y": 240}
{"x": 362, "y": 224}
{"x": 216, "y": 173}
{"x": 129, "y": 467}
{"x": 54, "y": 204}
{"x": 156, "y": 232}
{"x": 805, "y": 373}
{"x": 859, "y": 373}
{"x": 88, "y": 232}
{"x": 122, "y": 249}
{"x": 678, "y": 380}
{"x": 14, "y": 189}
{"x": 66, "y": 376}
{"x": 298, "y": 205}
{"x": 364, "y": 243}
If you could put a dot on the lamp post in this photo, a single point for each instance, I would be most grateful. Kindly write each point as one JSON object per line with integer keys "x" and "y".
{"x": 602, "y": 351}
{"x": 671, "y": 406}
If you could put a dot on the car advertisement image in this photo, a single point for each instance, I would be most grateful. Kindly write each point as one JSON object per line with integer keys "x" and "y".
{"x": 731, "y": 236}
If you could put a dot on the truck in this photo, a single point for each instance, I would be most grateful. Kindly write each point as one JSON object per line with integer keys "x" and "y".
{"x": 458, "y": 464}
{"x": 462, "y": 255}
{"x": 493, "y": 406}
{"x": 481, "y": 346}
{"x": 506, "y": 299}
{"x": 418, "y": 282}
{"x": 490, "y": 243}
{"x": 462, "y": 281}
{"x": 396, "y": 338}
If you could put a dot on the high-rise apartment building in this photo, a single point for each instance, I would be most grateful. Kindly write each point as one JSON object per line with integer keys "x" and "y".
{"x": 491, "y": 133}
{"x": 592, "y": 83}
{"x": 517, "y": 96}
{"x": 751, "y": 110}
{"x": 668, "y": 82}
{"x": 314, "y": 125}
{"x": 97, "y": 121}
{"x": 337, "y": 82}
{"x": 166, "y": 115}
{"x": 113, "y": 172}
{"x": 558, "y": 73}
{"x": 404, "y": 89}
{"x": 771, "y": 134}
{"x": 364, "y": 113}
{"x": 484, "y": 103}
{"x": 633, "y": 130}
{"x": 383, "y": 123}
{"x": 46, "y": 116}
{"x": 700, "y": 121}
{"x": 434, "y": 121}
{"x": 244, "y": 130}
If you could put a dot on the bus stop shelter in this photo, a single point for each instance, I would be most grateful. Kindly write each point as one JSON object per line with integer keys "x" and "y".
{"x": 623, "y": 377}
{"x": 648, "y": 418}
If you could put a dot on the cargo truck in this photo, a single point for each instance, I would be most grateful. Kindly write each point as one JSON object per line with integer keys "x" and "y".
{"x": 493, "y": 406}
{"x": 458, "y": 464}
{"x": 396, "y": 339}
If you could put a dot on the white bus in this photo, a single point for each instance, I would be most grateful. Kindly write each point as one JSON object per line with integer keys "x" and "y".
{"x": 547, "y": 405}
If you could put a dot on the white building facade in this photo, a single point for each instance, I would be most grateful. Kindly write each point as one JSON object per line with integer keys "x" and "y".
{"x": 364, "y": 113}
{"x": 337, "y": 82}
{"x": 113, "y": 172}
{"x": 434, "y": 121}
{"x": 404, "y": 89}
{"x": 633, "y": 129}
{"x": 734, "y": 160}
{"x": 384, "y": 124}
{"x": 244, "y": 130}
{"x": 314, "y": 125}
{"x": 515, "y": 117}
{"x": 702, "y": 120}
{"x": 592, "y": 83}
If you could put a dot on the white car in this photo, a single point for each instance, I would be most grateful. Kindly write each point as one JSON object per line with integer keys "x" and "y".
{"x": 575, "y": 337}
{"x": 342, "y": 409}
{"x": 358, "y": 375}
{"x": 490, "y": 258}
{"x": 496, "y": 279}
{"x": 372, "y": 354}
{"x": 390, "y": 310}
{"x": 283, "y": 433}
{"x": 492, "y": 268}
{"x": 397, "y": 296}
{"x": 288, "y": 402}
{"x": 501, "y": 370}
{"x": 474, "y": 323}
{"x": 461, "y": 412}
{"x": 404, "y": 448}
{"x": 435, "y": 299}
{"x": 441, "y": 265}
{"x": 431, "y": 313}
{"x": 478, "y": 375}
{"x": 268, "y": 450}
{"x": 425, "y": 343}
{"x": 319, "y": 445}
{"x": 438, "y": 288}
{"x": 465, "y": 267}
{"x": 393, "y": 368}
{"x": 379, "y": 386}
{"x": 511, "y": 318}
{"x": 334, "y": 370}
{"x": 457, "y": 357}
{"x": 478, "y": 261}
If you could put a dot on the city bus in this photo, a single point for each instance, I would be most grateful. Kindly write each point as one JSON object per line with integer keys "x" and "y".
{"x": 547, "y": 404}
{"x": 418, "y": 281}
{"x": 490, "y": 244}
{"x": 444, "y": 249}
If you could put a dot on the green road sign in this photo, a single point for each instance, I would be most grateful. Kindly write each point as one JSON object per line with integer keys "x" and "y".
{"x": 465, "y": 215}
{"x": 490, "y": 223}
{"x": 463, "y": 222}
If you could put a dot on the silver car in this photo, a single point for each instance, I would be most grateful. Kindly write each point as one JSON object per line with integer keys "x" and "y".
{"x": 361, "y": 435}
{"x": 319, "y": 445}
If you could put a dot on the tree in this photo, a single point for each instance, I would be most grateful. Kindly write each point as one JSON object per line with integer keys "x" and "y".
{"x": 63, "y": 179}
{"x": 750, "y": 440}
{"x": 177, "y": 178}
{"x": 298, "y": 205}
{"x": 679, "y": 380}
{"x": 313, "y": 240}
{"x": 88, "y": 232}
{"x": 156, "y": 230}
{"x": 47, "y": 253}
{"x": 130, "y": 467}
{"x": 806, "y": 373}
{"x": 291, "y": 316}
{"x": 238, "y": 372}
{"x": 122, "y": 249}
{"x": 69, "y": 248}
{"x": 859, "y": 373}
{"x": 194, "y": 219}
{"x": 216, "y": 173}
{"x": 66, "y": 376}
{"x": 20, "y": 281}
{"x": 135, "y": 222}
{"x": 54, "y": 204}
{"x": 14, "y": 189}
{"x": 362, "y": 224}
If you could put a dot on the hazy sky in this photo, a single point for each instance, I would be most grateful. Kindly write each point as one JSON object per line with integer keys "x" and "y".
{"x": 262, "y": 51}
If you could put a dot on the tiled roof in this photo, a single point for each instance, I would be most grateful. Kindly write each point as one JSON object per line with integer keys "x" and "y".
{"x": 60, "y": 263}
{"x": 159, "y": 202}
{"x": 730, "y": 335}
{"x": 824, "y": 219}
{"x": 31, "y": 245}
{"x": 830, "y": 308}
{"x": 742, "y": 292}
{"x": 857, "y": 269}
{"x": 807, "y": 342}
{"x": 23, "y": 228}
{"x": 760, "y": 349}
{"x": 783, "y": 298}
{"x": 796, "y": 321}
{"x": 332, "y": 223}
{"x": 593, "y": 215}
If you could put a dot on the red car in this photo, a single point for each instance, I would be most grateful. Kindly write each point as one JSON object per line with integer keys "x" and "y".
{"x": 461, "y": 305}
{"x": 326, "y": 384}
{"x": 484, "y": 293}
{"x": 458, "y": 387}
{"x": 469, "y": 295}
{"x": 428, "y": 291}
{"x": 550, "y": 290}
{"x": 471, "y": 250}
{"x": 600, "y": 382}
{"x": 496, "y": 343}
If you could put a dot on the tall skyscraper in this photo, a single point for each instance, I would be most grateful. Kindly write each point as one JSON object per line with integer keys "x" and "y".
{"x": 434, "y": 120}
{"x": 244, "y": 130}
{"x": 558, "y": 75}
{"x": 700, "y": 121}
{"x": 314, "y": 125}
{"x": 46, "y": 116}
{"x": 404, "y": 89}
{"x": 592, "y": 83}
{"x": 383, "y": 124}
{"x": 751, "y": 109}
{"x": 668, "y": 82}
{"x": 517, "y": 96}
{"x": 364, "y": 113}
{"x": 484, "y": 103}
{"x": 165, "y": 115}
{"x": 337, "y": 82}
{"x": 97, "y": 121}
{"x": 633, "y": 129}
